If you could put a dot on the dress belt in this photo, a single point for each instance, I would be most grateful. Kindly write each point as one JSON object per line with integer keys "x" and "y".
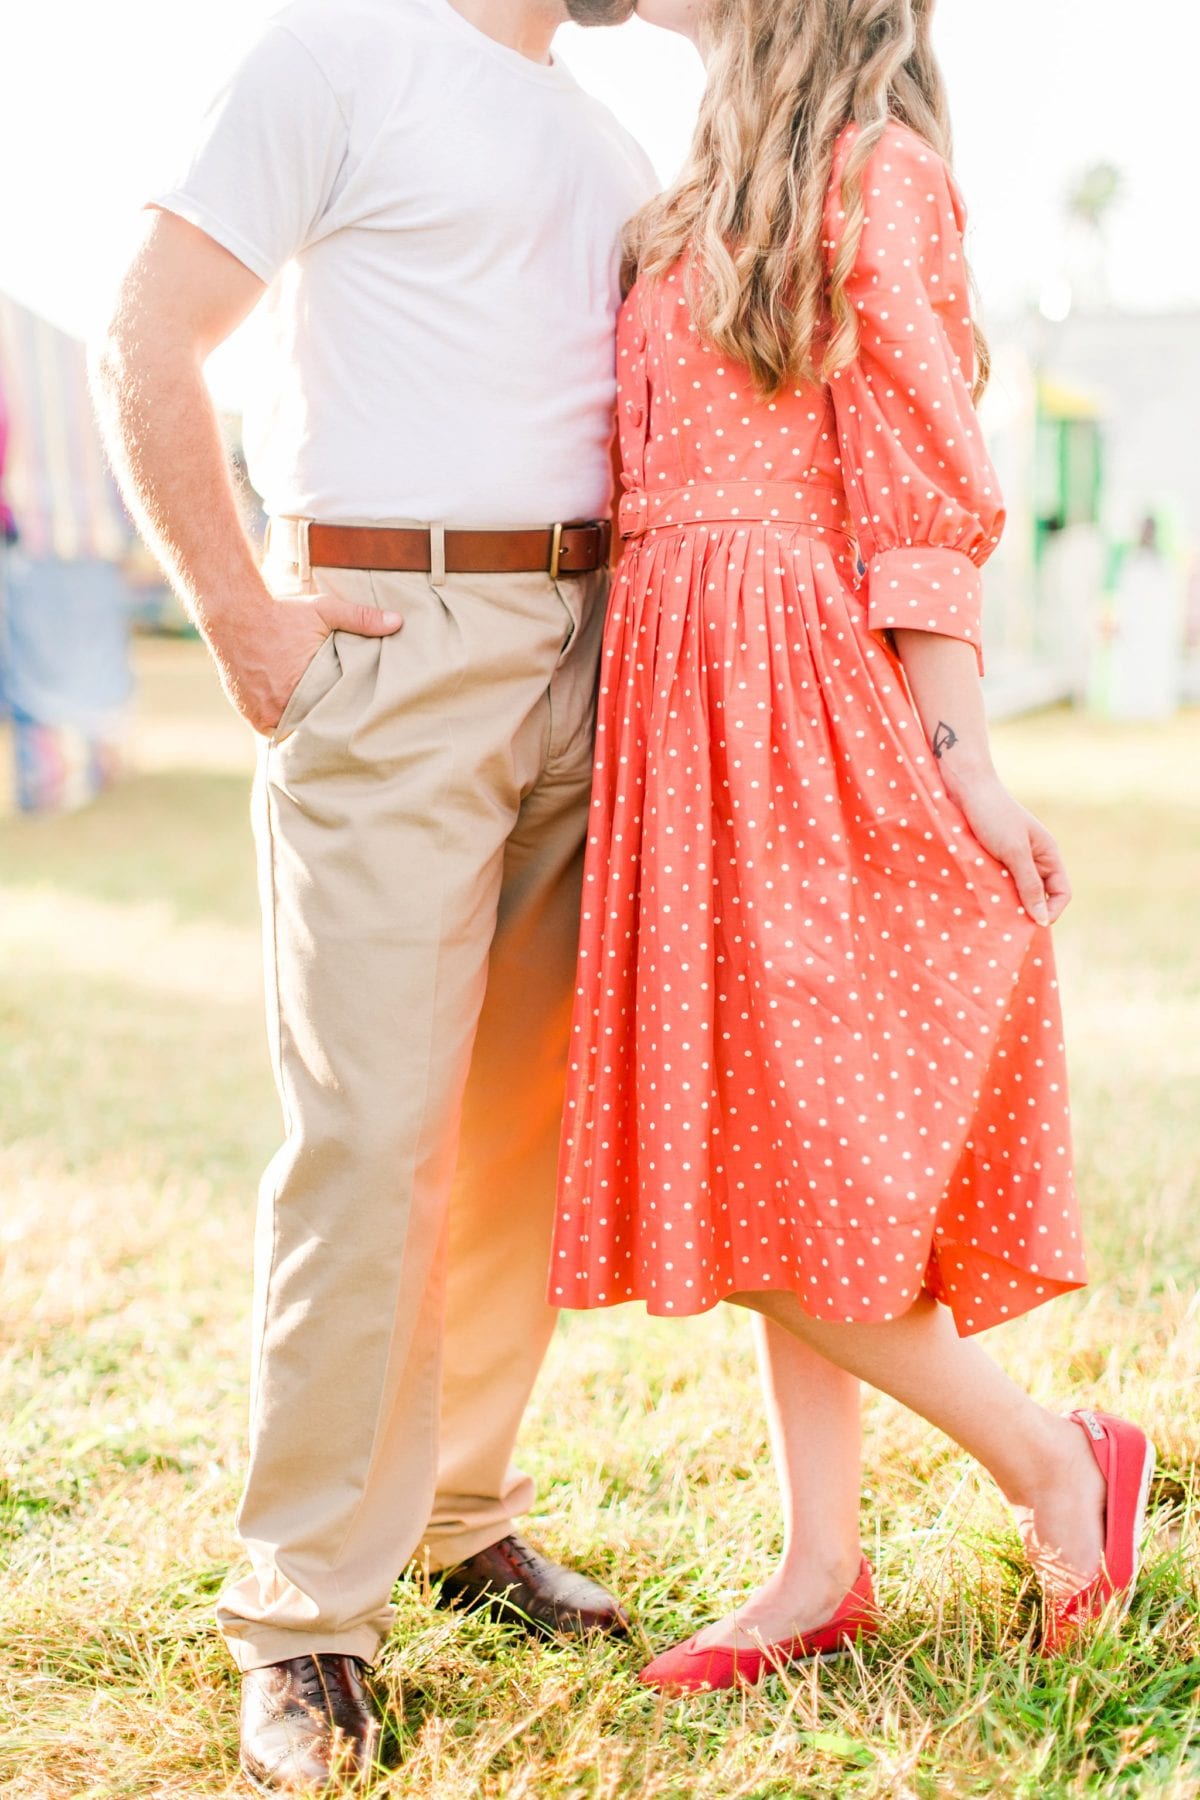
{"x": 554, "y": 550}
{"x": 816, "y": 505}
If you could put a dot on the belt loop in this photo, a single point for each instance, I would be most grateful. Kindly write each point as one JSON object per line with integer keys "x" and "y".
{"x": 303, "y": 556}
{"x": 437, "y": 555}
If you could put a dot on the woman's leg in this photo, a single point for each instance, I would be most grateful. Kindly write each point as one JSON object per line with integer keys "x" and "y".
{"x": 816, "y": 1440}
{"x": 1041, "y": 1461}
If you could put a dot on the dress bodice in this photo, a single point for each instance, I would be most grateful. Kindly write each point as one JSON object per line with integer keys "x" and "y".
{"x": 689, "y": 415}
{"x": 887, "y": 450}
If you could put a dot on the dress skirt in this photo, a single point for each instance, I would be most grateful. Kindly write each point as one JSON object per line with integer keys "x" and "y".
{"x": 817, "y": 1043}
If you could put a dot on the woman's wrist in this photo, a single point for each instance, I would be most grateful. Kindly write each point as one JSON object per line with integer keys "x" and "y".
{"x": 965, "y": 770}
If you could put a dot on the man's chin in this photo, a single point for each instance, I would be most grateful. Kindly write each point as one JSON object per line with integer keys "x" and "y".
{"x": 600, "y": 12}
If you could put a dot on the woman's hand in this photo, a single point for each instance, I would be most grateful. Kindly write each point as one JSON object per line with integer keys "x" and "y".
{"x": 943, "y": 677}
{"x": 1019, "y": 841}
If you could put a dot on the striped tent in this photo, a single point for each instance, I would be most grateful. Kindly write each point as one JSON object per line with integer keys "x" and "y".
{"x": 56, "y": 482}
{"x": 65, "y": 677}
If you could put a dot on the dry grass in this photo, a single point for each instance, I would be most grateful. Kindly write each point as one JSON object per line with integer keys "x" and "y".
{"x": 135, "y": 1111}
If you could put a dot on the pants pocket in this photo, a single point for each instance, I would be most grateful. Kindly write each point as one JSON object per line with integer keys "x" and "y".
{"x": 318, "y": 680}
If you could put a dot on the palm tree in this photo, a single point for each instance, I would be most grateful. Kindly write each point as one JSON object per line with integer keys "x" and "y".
{"x": 1089, "y": 205}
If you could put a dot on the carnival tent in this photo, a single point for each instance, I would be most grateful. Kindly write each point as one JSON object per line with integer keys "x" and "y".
{"x": 64, "y": 603}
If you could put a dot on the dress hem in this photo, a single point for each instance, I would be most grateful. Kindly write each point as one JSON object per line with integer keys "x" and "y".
{"x": 1018, "y": 1306}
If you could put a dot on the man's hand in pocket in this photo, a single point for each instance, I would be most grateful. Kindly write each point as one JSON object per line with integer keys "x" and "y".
{"x": 263, "y": 650}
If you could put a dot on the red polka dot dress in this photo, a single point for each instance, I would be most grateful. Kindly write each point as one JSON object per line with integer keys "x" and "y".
{"x": 817, "y": 1043}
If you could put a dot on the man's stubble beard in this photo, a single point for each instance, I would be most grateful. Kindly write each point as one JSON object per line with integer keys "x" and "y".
{"x": 600, "y": 12}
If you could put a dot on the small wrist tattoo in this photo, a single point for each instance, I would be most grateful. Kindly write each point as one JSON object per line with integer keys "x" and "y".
{"x": 944, "y": 738}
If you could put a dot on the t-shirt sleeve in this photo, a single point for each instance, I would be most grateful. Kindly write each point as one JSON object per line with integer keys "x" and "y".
{"x": 267, "y": 163}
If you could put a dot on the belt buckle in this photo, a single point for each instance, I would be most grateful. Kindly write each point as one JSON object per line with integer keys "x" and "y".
{"x": 556, "y": 537}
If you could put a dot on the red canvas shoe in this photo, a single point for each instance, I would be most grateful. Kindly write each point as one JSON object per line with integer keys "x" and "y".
{"x": 690, "y": 1670}
{"x": 1126, "y": 1459}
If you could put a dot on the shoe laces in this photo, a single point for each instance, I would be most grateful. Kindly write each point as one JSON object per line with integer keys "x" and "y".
{"x": 311, "y": 1683}
{"x": 522, "y": 1555}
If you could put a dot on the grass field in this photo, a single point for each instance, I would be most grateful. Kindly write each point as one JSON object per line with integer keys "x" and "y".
{"x": 135, "y": 1111}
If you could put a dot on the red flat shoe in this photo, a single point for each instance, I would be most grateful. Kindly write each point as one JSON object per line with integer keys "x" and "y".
{"x": 1126, "y": 1459}
{"x": 687, "y": 1669}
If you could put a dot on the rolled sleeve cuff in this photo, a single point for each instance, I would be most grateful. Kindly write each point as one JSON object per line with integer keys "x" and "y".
{"x": 925, "y": 588}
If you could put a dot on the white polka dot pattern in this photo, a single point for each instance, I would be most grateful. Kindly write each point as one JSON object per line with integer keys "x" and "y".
{"x": 816, "y": 1042}
{"x": 924, "y": 497}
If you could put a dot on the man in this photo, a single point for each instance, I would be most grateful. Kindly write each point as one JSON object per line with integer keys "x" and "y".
{"x": 434, "y": 209}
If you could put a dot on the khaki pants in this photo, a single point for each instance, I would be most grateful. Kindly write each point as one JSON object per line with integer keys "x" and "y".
{"x": 421, "y": 815}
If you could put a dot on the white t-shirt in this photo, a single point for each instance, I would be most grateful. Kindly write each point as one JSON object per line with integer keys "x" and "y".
{"x": 437, "y": 218}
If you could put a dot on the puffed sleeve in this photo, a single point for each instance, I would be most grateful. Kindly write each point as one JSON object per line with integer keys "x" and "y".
{"x": 922, "y": 490}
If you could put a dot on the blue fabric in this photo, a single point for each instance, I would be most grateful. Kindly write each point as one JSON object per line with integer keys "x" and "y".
{"x": 64, "y": 643}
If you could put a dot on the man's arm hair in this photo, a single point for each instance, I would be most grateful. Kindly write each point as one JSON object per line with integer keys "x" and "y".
{"x": 180, "y": 297}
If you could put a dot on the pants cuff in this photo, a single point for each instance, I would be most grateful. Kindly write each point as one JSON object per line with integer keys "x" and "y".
{"x": 441, "y": 1553}
{"x": 255, "y": 1647}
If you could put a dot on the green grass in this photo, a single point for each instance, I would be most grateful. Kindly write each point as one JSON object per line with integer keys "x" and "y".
{"x": 135, "y": 1112}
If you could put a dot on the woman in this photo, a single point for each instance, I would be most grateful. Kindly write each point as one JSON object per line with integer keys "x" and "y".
{"x": 817, "y": 1064}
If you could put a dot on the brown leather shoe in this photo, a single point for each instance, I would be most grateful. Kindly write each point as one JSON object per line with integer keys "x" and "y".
{"x": 511, "y": 1580}
{"x": 308, "y": 1724}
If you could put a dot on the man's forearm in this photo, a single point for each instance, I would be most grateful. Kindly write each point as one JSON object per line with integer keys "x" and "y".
{"x": 182, "y": 295}
{"x": 165, "y": 443}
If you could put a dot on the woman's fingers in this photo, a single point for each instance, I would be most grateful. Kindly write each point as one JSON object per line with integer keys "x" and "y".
{"x": 1023, "y": 868}
{"x": 1021, "y": 842}
{"x": 1051, "y": 869}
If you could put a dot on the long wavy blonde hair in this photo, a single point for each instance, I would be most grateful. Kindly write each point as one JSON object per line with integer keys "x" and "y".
{"x": 785, "y": 77}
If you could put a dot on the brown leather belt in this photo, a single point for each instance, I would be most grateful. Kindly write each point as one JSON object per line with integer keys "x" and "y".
{"x": 554, "y": 550}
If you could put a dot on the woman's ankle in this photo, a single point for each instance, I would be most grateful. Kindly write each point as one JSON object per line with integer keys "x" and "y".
{"x": 1062, "y": 1519}
{"x": 1046, "y": 1459}
{"x": 821, "y": 1567}
{"x": 801, "y": 1595}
